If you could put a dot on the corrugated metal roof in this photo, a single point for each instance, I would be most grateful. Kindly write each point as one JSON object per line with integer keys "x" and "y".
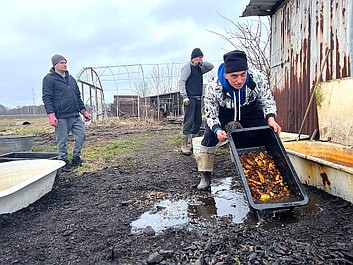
{"x": 261, "y": 7}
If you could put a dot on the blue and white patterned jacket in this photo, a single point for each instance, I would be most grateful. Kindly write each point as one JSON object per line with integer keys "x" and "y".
{"x": 220, "y": 93}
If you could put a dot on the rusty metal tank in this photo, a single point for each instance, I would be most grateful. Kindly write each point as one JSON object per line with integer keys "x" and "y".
{"x": 16, "y": 143}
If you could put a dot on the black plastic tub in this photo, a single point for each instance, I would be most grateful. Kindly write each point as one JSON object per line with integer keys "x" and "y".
{"x": 263, "y": 138}
{"x": 28, "y": 155}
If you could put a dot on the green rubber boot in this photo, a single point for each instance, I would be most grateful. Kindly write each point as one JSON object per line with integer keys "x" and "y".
{"x": 205, "y": 160}
{"x": 205, "y": 181}
{"x": 184, "y": 145}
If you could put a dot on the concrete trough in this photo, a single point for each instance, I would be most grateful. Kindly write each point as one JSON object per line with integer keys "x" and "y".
{"x": 325, "y": 165}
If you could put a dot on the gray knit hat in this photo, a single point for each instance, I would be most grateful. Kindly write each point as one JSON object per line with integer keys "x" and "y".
{"x": 57, "y": 58}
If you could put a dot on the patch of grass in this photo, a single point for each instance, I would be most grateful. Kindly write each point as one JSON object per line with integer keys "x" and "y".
{"x": 38, "y": 124}
{"x": 97, "y": 154}
{"x": 174, "y": 139}
{"x": 45, "y": 148}
{"x": 117, "y": 153}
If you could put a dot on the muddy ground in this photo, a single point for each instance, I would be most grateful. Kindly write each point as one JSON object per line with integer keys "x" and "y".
{"x": 86, "y": 219}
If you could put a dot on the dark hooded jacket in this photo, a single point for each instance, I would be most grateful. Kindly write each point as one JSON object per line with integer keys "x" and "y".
{"x": 61, "y": 95}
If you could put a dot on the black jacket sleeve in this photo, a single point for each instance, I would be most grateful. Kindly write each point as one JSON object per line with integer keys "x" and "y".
{"x": 48, "y": 86}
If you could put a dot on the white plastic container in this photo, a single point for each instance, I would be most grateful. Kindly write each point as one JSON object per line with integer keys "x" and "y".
{"x": 196, "y": 143}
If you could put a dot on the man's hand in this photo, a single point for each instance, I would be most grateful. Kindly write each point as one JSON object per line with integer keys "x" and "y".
{"x": 196, "y": 62}
{"x": 53, "y": 120}
{"x": 86, "y": 115}
{"x": 186, "y": 101}
{"x": 272, "y": 123}
{"x": 221, "y": 135}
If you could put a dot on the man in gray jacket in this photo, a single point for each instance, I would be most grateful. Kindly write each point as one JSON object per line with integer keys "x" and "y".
{"x": 190, "y": 87}
{"x": 63, "y": 104}
{"x": 239, "y": 96}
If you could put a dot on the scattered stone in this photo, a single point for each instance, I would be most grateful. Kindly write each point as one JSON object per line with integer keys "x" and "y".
{"x": 67, "y": 232}
{"x": 124, "y": 203}
{"x": 22, "y": 123}
{"x": 148, "y": 230}
{"x": 154, "y": 258}
{"x": 166, "y": 253}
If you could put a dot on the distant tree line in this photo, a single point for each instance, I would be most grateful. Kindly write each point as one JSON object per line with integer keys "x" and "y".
{"x": 23, "y": 110}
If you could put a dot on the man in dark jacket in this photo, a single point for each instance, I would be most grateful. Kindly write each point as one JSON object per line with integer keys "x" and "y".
{"x": 190, "y": 87}
{"x": 63, "y": 104}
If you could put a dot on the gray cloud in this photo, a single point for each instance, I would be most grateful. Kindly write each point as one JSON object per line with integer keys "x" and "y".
{"x": 107, "y": 32}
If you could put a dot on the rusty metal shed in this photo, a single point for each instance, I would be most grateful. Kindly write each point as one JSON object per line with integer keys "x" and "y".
{"x": 310, "y": 42}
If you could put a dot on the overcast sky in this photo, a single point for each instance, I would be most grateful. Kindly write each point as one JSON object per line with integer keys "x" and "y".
{"x": 101, "y": 33}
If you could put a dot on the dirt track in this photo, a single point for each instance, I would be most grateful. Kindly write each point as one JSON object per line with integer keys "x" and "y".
{"x": 86, "y": 219}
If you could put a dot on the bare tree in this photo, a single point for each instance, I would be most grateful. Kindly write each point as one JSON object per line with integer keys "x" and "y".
{"x": 163, "y": 78}
{"x": 253, "y": 37}
{"x": 142, "y": 88}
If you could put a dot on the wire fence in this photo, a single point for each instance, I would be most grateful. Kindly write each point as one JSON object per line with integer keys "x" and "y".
{"x": 104, "y": 83}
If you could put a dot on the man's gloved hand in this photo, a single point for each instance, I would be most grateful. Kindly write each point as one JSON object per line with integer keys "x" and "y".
{"x": 53, "y": 120}
{"x": 86, "y": 115}
{"x": 186, "y": 101}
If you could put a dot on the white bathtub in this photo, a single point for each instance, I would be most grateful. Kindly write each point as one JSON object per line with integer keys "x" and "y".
{"x": 25, "y": 181}
{"x": 325, "y": 165}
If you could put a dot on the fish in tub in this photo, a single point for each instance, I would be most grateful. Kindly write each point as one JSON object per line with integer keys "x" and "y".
{"x": 25, "y": 181}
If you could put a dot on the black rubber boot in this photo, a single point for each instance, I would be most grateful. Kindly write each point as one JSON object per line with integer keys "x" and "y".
{"x": 67, "y": 167}
{"x": 76, "y": 161}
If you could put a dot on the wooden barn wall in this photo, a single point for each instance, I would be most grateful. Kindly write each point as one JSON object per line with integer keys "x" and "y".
{"x": 302, "y": 33}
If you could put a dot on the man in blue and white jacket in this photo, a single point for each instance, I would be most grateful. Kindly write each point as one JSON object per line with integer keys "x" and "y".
{"x": 240, "y": 95}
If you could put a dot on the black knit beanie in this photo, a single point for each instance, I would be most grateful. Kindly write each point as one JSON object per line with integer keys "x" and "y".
{"x": 57, "y": 58}
{"x": 235, "y": 61}
{"x": 196, "y": 53}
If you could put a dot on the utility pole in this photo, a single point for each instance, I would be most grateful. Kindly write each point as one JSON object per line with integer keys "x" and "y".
{"x": 34, "y": 102}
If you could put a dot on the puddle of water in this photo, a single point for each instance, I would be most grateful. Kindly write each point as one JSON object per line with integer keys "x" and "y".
{"x": 221, "y": 201}
{"x": 165, "y": 214}
{"x": 229, "y": 201}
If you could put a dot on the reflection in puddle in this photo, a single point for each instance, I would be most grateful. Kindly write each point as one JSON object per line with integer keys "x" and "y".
{"x": 164, "y": 215}
{"x": 222, "y": 201}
